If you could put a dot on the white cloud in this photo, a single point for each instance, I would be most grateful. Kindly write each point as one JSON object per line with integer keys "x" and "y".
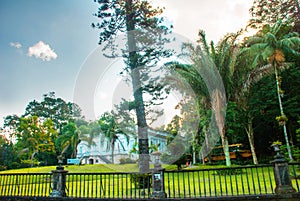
{"x": 42, "y": 50}
{"x": 215, "y": 17}
{"x": 15, "y": 44}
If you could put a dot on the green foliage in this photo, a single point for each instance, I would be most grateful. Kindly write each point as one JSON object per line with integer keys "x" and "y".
{"x": 270, "y": 11}
{"x": 127, "y": 161}
{"x": 141, "y": 181}
{"x": 295, "y": 152}
{"x": 281, "y": 118}
{"x": 111, "y": 130}
{"x": 34, "y": 136}
{"x": 229, "y": 171}
{"x": 69, "y": 139}
{"x": 36, "y": 131}
{"x": 235, "y": 129}
{"x": 56, "y": 109}
{"x": 28, "y": 163}
{"x": 8, "y": 154}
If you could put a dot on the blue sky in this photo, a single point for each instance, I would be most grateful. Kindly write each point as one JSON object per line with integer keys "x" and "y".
{"x": 64, "y": 26}
{"x": 43, "y": 44}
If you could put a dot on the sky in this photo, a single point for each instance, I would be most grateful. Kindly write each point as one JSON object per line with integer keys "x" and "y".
{"x": 47, "y": 46}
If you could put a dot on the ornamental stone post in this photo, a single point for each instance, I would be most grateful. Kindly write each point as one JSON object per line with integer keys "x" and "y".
{"x": 281, "y": 173}
{"x": 158, "y": 186}
{"x": 59, "y": 180}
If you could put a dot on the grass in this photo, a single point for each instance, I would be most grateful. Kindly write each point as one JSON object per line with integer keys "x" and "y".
{"x": 97, "y": 168}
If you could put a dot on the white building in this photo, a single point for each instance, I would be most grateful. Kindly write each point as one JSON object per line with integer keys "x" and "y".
{"x": 100, "y": 152}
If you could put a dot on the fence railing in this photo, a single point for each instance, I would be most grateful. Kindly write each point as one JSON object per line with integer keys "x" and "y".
{"x": 108, "y": 185}
{"x": 25, "y": 184}
{"x": 234, "y": 181}
{"x": 251, "y": 180}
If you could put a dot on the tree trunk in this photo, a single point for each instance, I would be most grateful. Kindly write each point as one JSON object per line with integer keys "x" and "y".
{"x": 137, "y": 90}
{"x": 250, "y": 134}
{"x": 282, "y": 113}
{"x": 226, "y": 149}
{"x": 112, "y": 152}
{"x": 194, "y": 155}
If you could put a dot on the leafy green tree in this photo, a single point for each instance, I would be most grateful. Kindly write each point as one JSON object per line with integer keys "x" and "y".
{"x": 110, "y": 129}
{"x": 145, "y": 40}
{"x": 265, "y": 12}
{"x": 270, "y": 48}
{"x": 37, "y": 129}
{"x": 8, "y": 154}
{"x": 36, "y": 137}
{"x": 60, "y": 111}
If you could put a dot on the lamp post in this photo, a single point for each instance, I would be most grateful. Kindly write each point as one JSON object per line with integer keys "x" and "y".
{"x": 158, "y": 186}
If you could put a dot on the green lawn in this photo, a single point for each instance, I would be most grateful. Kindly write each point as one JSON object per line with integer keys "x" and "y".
{"x": 86, "y": 168}
{"x": 100, "y": 168}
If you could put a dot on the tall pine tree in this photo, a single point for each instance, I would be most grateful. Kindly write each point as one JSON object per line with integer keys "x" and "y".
{"x": 145, "y": 39}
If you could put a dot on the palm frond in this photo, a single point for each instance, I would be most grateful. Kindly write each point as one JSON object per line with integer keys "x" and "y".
{"x": 291, "y": 43}
{"x": 258, "y": 73}
{"x": 202, "y": 41}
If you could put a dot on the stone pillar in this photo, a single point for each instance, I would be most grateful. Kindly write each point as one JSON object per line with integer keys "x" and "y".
{"x": 158, "y": 185}
{"x": 281, "y": 173}
{"x": 59, "y": 181}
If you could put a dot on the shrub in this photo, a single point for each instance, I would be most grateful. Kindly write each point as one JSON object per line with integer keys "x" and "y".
{"x": 28, "y": 163}
{"x": 141, "y": 181}
{"x": 2, "y": 167}
{"x": 126, "y": 161}
{"x": 229, "y": 171}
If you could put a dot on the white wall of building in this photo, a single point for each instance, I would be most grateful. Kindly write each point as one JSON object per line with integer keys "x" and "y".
{"x": 100, "y": 152}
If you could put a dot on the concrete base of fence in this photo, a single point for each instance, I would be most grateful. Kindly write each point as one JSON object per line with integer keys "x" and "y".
{"x": 157, "y": 195}
{"x": 284, "y": 189}
{"x": 286, "y": 197}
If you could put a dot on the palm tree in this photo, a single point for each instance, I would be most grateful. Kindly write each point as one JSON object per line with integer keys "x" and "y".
{"x": 210, "y": 88}
{"x": 269, "y": 49}
{"x": 111, "y": 131}
{"x": 69, "y": 138}
{"x": 89, "y": 132}
{"x": 192, "y": 77}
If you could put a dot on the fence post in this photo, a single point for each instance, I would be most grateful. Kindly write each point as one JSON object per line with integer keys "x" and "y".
{"x": 281, "y": 173}
{"x": 59, "y": 180}
{"x": 158, "y": 184}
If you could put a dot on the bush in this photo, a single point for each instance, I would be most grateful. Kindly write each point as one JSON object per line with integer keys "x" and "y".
{"x": 28, "y": 163}
{"x": 127, "y": 161}
{"x": 141, "y": 181}
{"x": 15, "y": 165}
{"x": 2, "y": 168}
{"x": 295, "y": 152}
{"x": 229, "y": 171}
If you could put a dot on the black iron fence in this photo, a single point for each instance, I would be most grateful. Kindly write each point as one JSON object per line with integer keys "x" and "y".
{"x": 234, "y": 181}
{"x": 237, "y": 181}
{"x": 109, "y": 185}
{"x": 25, "y": 184}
